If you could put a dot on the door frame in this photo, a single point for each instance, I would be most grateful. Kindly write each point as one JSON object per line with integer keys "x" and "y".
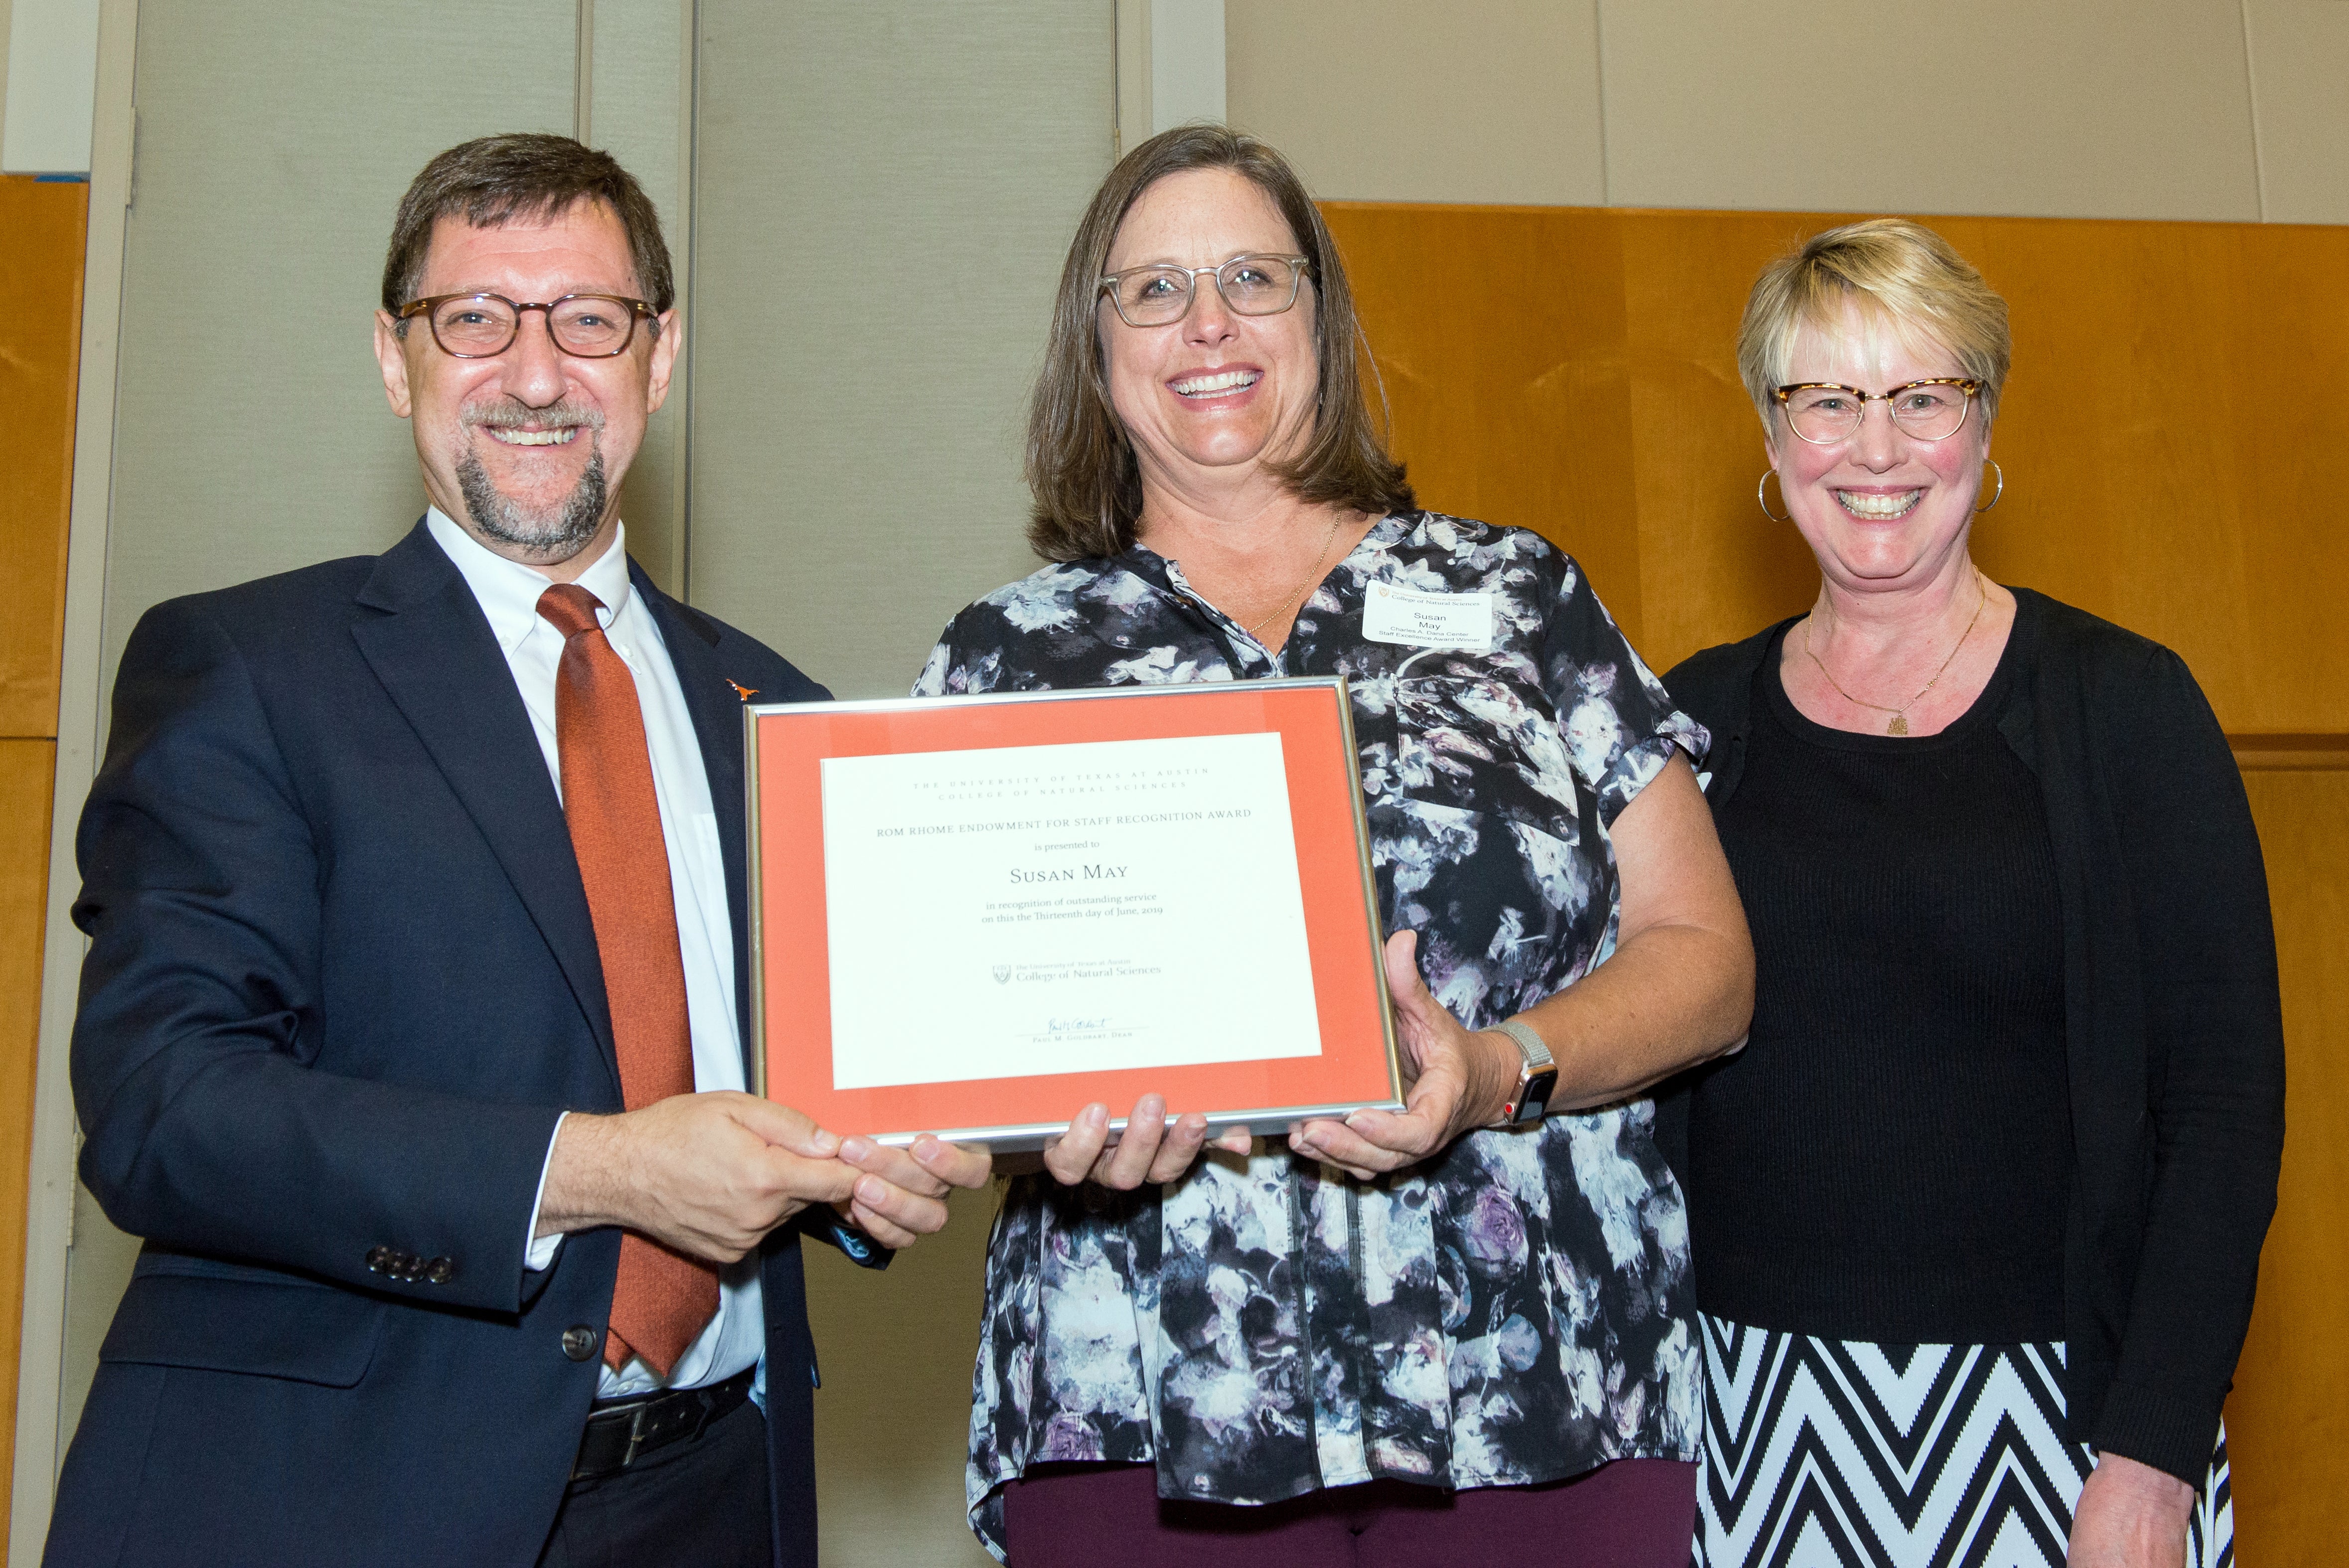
{"x": 49, "y": 1191}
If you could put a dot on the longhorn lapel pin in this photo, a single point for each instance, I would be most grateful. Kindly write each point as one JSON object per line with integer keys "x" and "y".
{"x": 745, "y": 693}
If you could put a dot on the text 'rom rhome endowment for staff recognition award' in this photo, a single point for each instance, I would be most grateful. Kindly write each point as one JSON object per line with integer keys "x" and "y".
{"x": 1114, "y": 904}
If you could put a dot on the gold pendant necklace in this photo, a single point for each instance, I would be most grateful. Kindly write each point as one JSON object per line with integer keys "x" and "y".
{"x": 1313, "y": 574}
{"x": 1900, "y": 725}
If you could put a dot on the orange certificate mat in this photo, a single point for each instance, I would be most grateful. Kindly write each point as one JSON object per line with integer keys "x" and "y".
{"x": 973, "y": 916}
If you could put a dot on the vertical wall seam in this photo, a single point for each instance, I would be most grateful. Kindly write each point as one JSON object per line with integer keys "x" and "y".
{"x": 692, "y": 298}
{"x": 1599, "y": 71}
{"x": 2252, "y": 92}
{"x": 582, "y": 75}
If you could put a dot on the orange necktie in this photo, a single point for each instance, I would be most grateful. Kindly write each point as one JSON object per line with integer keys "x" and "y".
{"x": 662, "y": 1298}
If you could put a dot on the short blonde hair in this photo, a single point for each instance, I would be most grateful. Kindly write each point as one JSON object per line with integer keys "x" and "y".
{"x": 1898, "y": 271}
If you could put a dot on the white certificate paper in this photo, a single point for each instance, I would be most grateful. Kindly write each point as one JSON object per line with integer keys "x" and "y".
{"x": 1051, "y": 909}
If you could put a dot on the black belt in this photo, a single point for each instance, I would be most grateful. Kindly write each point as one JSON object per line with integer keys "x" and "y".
{"x": 622, "y": 1431}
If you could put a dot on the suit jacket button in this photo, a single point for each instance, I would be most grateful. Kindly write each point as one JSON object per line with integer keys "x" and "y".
{"x": 440, "y": 1271}
{"x": 579, "y": 1342}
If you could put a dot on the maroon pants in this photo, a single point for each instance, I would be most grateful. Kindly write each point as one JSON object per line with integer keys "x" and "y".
{"x": 1632, "y": 1513}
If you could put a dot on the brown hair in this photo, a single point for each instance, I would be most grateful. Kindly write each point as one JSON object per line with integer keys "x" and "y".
{"x": 1898, "y": 271}
{"x": 496, "y": 179}
{"x": 1081, "y": 465}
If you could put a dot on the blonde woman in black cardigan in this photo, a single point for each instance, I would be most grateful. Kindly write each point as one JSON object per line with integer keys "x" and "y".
{"x": 1976, "y": 1215}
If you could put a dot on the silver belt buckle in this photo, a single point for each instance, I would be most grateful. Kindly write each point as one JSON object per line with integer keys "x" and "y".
{"x": 635, "y": 1432}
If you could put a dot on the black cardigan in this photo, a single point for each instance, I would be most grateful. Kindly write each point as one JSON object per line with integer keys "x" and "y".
{"x": 2174, "y": 1028}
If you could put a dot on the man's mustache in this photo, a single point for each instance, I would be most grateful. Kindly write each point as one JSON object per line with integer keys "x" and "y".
{"x": 510, "y": 416}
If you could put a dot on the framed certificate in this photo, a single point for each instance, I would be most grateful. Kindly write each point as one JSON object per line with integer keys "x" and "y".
{"x": 973, "y": 916}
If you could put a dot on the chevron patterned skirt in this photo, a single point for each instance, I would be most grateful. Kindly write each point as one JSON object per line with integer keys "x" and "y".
{"x": 1827, "y": 1453}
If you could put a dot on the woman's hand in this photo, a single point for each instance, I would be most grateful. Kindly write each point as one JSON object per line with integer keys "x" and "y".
{"x": 2130, "y": 1515}
{"x": 1151, "y": 1150}
{"x": 902, "y": 1194}
{"x": 1455, "y": 1082}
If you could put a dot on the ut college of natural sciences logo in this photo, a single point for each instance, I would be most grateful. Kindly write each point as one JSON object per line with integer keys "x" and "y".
{"x": 1002, "y": 973}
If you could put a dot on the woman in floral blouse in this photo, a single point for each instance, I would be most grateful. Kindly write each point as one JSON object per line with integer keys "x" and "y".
{"x": 1407, "y": 1337}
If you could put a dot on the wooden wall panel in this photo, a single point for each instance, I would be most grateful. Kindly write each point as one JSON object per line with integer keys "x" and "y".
{"x": 1713, "y": 568}
{"x": 2169, "y": 442}
{"x": 41, "y": 238}
{"x": 2169, "y": 434}
{"x": 2288, "y": 1418}
{"x": 40, "y": 334}
{"x": 27, "y": 770}
{"x": 1505, "y": 371}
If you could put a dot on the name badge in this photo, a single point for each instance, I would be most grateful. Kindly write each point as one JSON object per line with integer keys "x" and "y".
{"x": 1417, "y": 620}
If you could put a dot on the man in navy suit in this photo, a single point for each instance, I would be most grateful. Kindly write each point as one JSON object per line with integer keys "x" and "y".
{"x": 413, "y": 1029}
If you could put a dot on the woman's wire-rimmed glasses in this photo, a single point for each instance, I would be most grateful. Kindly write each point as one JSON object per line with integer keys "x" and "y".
{"x": 484, "y": 325}
{"x": 1161, "y": 295}
{"x": 1826, "y": 412}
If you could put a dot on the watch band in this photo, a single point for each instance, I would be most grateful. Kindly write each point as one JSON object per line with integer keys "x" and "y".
{"x": 1537, "y": 1076}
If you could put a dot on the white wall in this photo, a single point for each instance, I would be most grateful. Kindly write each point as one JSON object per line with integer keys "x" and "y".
{"x": 49, "y": 62}
{"x": 2106, "y": 109}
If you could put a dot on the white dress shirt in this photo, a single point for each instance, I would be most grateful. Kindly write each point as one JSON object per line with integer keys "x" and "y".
{"x": 508, "y": 593}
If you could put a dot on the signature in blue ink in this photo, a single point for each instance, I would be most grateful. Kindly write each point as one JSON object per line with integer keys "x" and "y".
{"x": 1074, "y": 1026}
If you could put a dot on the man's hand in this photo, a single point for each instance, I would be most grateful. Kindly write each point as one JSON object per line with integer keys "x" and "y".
{"x": 2130, "y": 1515}
{"x": 710, "y": 1174}
{"x": 901, "y": 1192}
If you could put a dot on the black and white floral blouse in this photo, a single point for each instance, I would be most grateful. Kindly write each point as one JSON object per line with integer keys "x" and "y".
{"x": 1514, "y": 1310}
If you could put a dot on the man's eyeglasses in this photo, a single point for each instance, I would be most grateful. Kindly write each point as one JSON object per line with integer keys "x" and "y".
{"x": 1251, "y": 286}
{"x": 482, "y": 325}
{"x": 1826, "y": 412}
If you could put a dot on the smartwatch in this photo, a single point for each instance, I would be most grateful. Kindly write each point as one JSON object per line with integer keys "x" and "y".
{"x": 1537, "y": 1076}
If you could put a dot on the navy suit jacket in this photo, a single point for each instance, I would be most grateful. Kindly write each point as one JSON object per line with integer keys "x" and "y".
{"x": 342, "y": 983}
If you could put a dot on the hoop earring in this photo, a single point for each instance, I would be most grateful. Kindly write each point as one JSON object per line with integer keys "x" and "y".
{"x": 1762, "y": 497}
{"x": 1999, "y": 494}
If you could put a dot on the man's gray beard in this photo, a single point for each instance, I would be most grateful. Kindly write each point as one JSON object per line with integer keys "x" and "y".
{"x": 551, "y": 536}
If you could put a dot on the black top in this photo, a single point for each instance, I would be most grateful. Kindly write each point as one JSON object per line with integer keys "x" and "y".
{"x": 1888, "y": 1159}
{"x": 2173, "y": 1030}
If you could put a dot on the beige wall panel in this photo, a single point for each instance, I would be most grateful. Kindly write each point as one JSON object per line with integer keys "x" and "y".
{"x": 1397, "y": 100}
{"x": 893, "y": 1420}
{"x": 2300, "y": 94}
{"x": 251, "y": 433}
{"x": 883, "y": 197}
{"x": 635, "y": 104}
{"x": 2119, "y": 109}
{"x": 638, "y": 82}
{"x": 2288, "y": 1417}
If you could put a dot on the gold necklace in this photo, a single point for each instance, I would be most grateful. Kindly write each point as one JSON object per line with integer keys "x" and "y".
{"x": 1900, "y": 725}
{"x": 1313, "y": 574}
